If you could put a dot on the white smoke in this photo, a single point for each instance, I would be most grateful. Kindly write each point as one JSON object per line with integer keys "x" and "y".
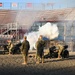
{"x": 25, "y": 19}
{"x": 47, "y": 30}
{"x": 32, "y": 38}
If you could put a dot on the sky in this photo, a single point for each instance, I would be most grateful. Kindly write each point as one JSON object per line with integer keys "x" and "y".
{"x": 57, "y": 4}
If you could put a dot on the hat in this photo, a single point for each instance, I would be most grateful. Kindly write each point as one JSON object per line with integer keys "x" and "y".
{"x": 25, "y": 37}
{"x": 8, "y": 40}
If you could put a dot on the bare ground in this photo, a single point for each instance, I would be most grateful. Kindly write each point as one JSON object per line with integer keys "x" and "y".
{"x": 12, "y": 65}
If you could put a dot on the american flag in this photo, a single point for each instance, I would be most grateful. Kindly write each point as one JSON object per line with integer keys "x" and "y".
{"x": 1, "y": 4}
{"x": 29, "y": 5}
{"x": 50, "y": 4}
{"x": 14, "y": 4}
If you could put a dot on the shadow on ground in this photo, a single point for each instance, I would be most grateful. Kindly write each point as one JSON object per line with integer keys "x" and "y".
{"x": 12, "y": 66}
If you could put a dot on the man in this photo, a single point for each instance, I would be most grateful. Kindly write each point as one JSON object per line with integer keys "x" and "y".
{"x": 59, "y": 48}
{"x": 52, "y": 49}
{"x": 25, "y": 48}
{"x": 40, "y": 44}
{"x": 10, "y": 46}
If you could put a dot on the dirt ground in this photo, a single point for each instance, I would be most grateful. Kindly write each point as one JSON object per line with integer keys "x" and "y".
{"x": 12, "y": 65}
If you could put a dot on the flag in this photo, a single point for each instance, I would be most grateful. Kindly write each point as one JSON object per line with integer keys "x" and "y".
{"x": 43, "y": 5}
{"x": 1, "y": 4}
{"x": 50, "y": 4}
{"x": 29, "y": 5}
{"x": 14, "y": 4}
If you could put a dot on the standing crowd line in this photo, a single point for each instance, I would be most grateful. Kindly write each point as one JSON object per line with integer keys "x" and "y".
{"x": 40, "y": 44}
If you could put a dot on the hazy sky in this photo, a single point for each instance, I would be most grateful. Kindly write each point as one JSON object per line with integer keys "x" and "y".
{"x": 57, "y": 3}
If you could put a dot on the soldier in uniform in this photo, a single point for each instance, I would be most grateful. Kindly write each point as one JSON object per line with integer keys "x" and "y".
{"x": 25, "y": 48}
{"x": 59, "y": 48}
{"x": 40, "y": 44}
{"x": 10, "y": 46}
{"x": 52, "y": 49}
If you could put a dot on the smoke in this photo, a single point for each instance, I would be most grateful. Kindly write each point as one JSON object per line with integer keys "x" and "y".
{"x": 32, "y": 38}
{"x": 26, "y": 18}
{"x": 47, "y": 30}
{"x": 21, "y": 19}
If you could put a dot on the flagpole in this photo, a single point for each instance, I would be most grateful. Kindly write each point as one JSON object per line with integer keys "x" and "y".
{"x": 43, "y": 5}
{"x": 18, "y": 5}
{"x": 33, "y": 6}
{"x": 50, "y": 4}
{"x": 2, "y": 5}
{"x": 10, "y": 5}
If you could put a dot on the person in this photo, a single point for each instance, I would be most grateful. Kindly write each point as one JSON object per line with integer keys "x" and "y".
{"x": 52, "y": 49}
{"x": 10, "y": 46}
{"x": 16, "y": 48}
{"x": 25, "y": 48}
{"x": 40, "y": 44}
{"x": 59, "y": 48}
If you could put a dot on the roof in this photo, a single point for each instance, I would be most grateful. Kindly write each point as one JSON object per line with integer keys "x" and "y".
{"x": 28, "y": 17}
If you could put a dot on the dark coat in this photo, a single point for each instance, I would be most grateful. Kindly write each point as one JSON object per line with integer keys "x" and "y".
{"x": 40, "y": 47}
{"x": 25, "y": 46}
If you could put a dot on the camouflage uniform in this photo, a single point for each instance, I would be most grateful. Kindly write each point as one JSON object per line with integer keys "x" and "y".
{"x": 10, "y": 46}
{"x": 60, "y": 49}
{"x": 25, "y": 48}
{"x": 40, "y": 47}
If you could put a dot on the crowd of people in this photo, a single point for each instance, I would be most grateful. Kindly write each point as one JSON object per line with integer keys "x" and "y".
{"x": 40, "y": 45}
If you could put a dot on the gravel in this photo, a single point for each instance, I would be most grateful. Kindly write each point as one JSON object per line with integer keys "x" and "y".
{"x": 12, "y": 65}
